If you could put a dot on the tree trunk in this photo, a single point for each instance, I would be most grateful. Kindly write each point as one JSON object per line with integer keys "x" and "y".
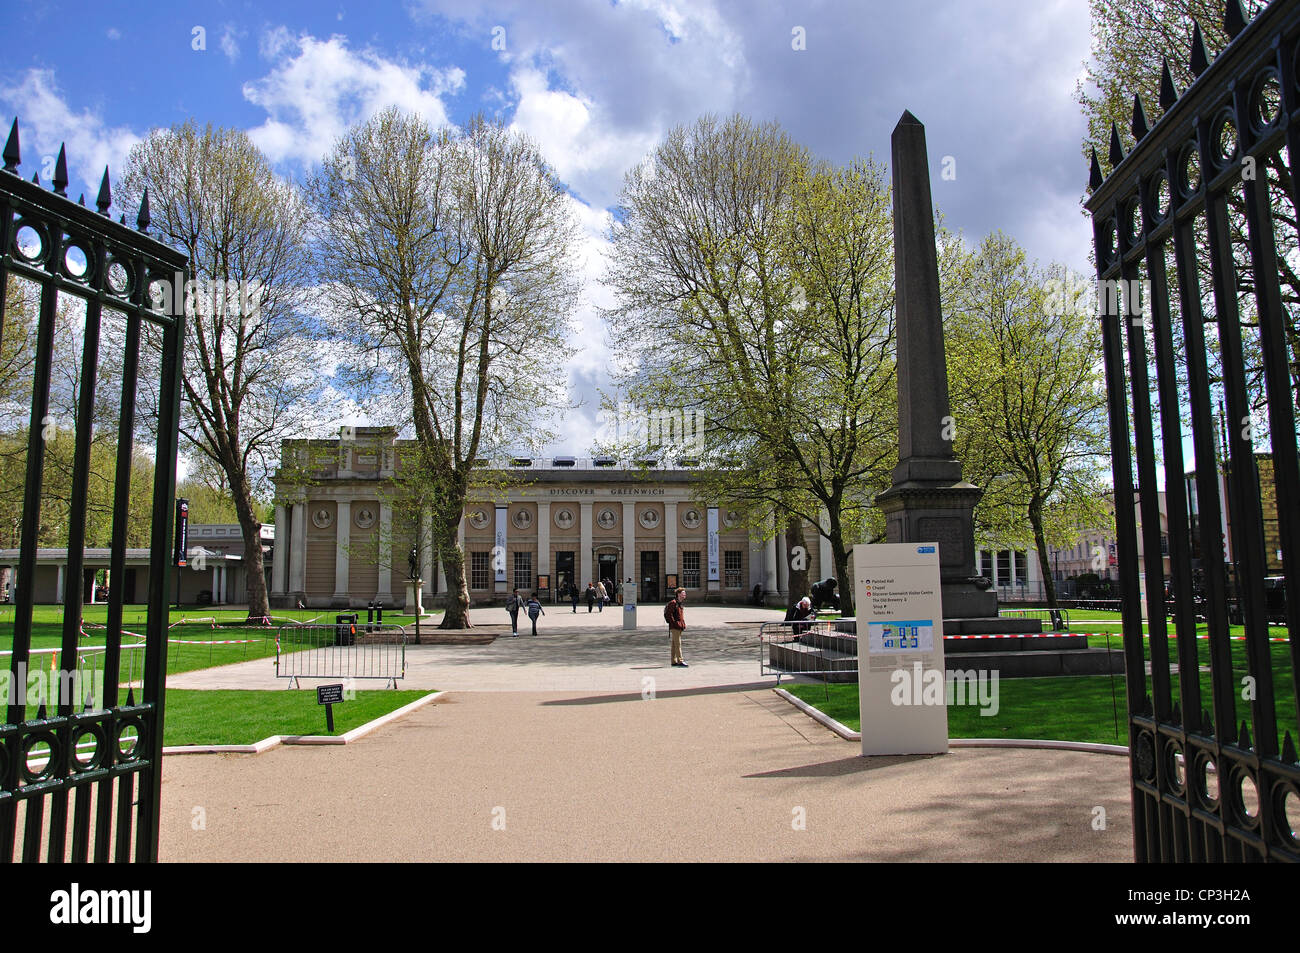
{"x": 259, "y": 607}
{"x": 842, "y": 577}
{"x": 796, "y": 553}
{"x": 1040, "y": 542}
{"x": 456, "y": 611}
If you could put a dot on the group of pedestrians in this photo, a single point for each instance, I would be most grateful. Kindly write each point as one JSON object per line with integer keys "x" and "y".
{"x": 597, "y": 595}
{"x": 674, "y": 614}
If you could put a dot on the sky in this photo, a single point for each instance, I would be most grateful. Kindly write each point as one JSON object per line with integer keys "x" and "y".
{"x": 597, "y": 84}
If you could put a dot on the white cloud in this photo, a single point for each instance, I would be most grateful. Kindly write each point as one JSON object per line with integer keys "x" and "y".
{"x": 313, "y": 97}
{"x": 114, "y": 33}
{"x": 230, "y": 43}
{"x": 45, "y": 122}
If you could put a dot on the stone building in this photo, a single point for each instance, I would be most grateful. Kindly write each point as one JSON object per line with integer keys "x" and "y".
{"x": 343, "y": 539}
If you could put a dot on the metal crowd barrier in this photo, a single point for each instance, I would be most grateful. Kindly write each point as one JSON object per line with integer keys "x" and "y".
{"x": 807, "y": 648}
{"x": 1057, "y": 619}
{"x": 342, "y": 650}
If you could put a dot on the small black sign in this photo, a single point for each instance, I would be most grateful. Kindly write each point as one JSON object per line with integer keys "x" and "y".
{"x": 182, "y": 532}
{"x": 329, "y": 694}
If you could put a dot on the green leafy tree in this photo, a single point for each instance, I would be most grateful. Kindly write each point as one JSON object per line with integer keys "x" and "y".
{"x": 1029, "y": 403}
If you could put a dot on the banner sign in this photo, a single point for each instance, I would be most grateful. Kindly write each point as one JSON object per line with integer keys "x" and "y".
{"x": 182, "y": 533}
{"x": 713, "y": 544}
{"x": 499, "y": 557}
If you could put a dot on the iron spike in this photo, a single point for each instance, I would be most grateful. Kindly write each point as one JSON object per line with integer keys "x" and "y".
{"x": 142, "y": 220}
{"x": 130, "y": 698}
{"x": 1244, "y": 738}
{"x": 1094, "y": 174}
{"x": 121, "y": 219}
{"x": 1200, "y": 55}
{"x": 1140, "y": 126}
{"x": 1116, "y": 148}
{"x": 105, "y": 195}
{"x": 1168, "y": 91}
{"x": 40, "y": 712}
{"x": 1207, "y": 723}
{"x": 1234, "y": 18}
{"x": 61, "y": 173}
{"x": 36, "y": 178}
{"x": 81, "y": 200}
{"x": 11, "y": 156}
{"x": 1288, "y": 749}
{"x": 1178, "y": 714}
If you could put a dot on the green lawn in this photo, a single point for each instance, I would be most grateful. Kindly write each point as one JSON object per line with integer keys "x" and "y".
{"x": 245, "y": 717}
{"x": 184, "y": 654}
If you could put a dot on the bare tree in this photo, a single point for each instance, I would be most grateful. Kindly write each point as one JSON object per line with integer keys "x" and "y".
{"x": 250, "y": 354}
{"x": 448, "y": 258}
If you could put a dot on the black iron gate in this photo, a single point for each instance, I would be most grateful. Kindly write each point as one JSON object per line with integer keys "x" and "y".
{"x": 98, "y": 750}
{"x": 1211, "y": 190}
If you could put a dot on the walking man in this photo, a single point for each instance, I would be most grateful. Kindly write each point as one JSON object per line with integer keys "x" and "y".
{"x": 513, "y": 605}
{"x": 591, "y": 598}
{"x": 534, "y": 610}
{"x": 675, "y": 616}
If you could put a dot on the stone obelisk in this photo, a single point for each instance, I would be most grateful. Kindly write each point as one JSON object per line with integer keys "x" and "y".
{"x": 928, "y": 501}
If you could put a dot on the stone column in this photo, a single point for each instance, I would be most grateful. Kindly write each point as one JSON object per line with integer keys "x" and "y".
{"x": 544, "y": 540}
{"x": 629, "y": 545}
{"x": 279, "y": 556}
{"x": 584, "y": 530}
{"x": 385, "y": 593}
{"x": 59, "y": 586}
{"x": 670, "y": 541}
{"x": 342, "y": 560}
{"x": 769, "y": 565}
{"x": 928, "y": 500}
{"x": 298, "y": 555}
{"x": 216, "y": 585}
{"x": 782, "y": 564}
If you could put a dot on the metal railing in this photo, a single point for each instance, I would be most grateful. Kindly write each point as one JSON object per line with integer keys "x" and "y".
{"x": 343, "y": 650}
{"x": 807, "y": 648}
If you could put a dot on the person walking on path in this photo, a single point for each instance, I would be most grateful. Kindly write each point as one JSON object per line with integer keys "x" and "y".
{"x": 675, "y": 616}
{"x": 591, "y": 598}
{"x": 534, "y": 610}
{"x": 602, "y": 595}
{"x": 573, "y": 595}
{"x": 513, "y": 605}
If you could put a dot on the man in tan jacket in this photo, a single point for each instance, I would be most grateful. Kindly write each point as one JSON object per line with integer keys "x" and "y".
{"x": 675, "y": 616}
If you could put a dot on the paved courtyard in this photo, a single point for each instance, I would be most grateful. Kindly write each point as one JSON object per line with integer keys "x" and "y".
{"x": 583, "y": 744}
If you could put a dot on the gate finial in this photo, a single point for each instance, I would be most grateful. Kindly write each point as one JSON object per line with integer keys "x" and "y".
{"x": 11, "y": 156}
{"x": 1116, "y": 148}
{"x": 1288, "y": 749}
{"x": 36, "y": 178}
{"x": 81, "y": 199}
{"x": 1168, "y": 91}
{"x": 1234, "y": 18}
{"x": 1200, "y": 55}
{"x": 1140, "y": 126}
{"x": 142, "y": 220}
{"x": 1094, "y": 174}
{"x": 1243, "y": 738}
{"x": 105, "y": 195}
{"x": 61, "y": 173}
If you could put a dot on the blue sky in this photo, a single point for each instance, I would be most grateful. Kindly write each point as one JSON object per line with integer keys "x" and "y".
{"x": 597, "y": 83}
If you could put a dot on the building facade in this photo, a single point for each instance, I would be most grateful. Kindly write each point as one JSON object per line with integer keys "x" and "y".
{"x": 345, "y": 539}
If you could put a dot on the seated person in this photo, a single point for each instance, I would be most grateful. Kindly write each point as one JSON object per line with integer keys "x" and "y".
{"x": 801, "y": 614}
{"x": 824, "y": 595}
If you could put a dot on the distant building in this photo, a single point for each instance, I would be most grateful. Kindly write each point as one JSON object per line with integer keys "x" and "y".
{"x": 547, "y": 523}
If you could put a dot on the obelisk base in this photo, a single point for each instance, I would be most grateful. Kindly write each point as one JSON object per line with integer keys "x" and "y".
{"x": 943, "y": 513}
